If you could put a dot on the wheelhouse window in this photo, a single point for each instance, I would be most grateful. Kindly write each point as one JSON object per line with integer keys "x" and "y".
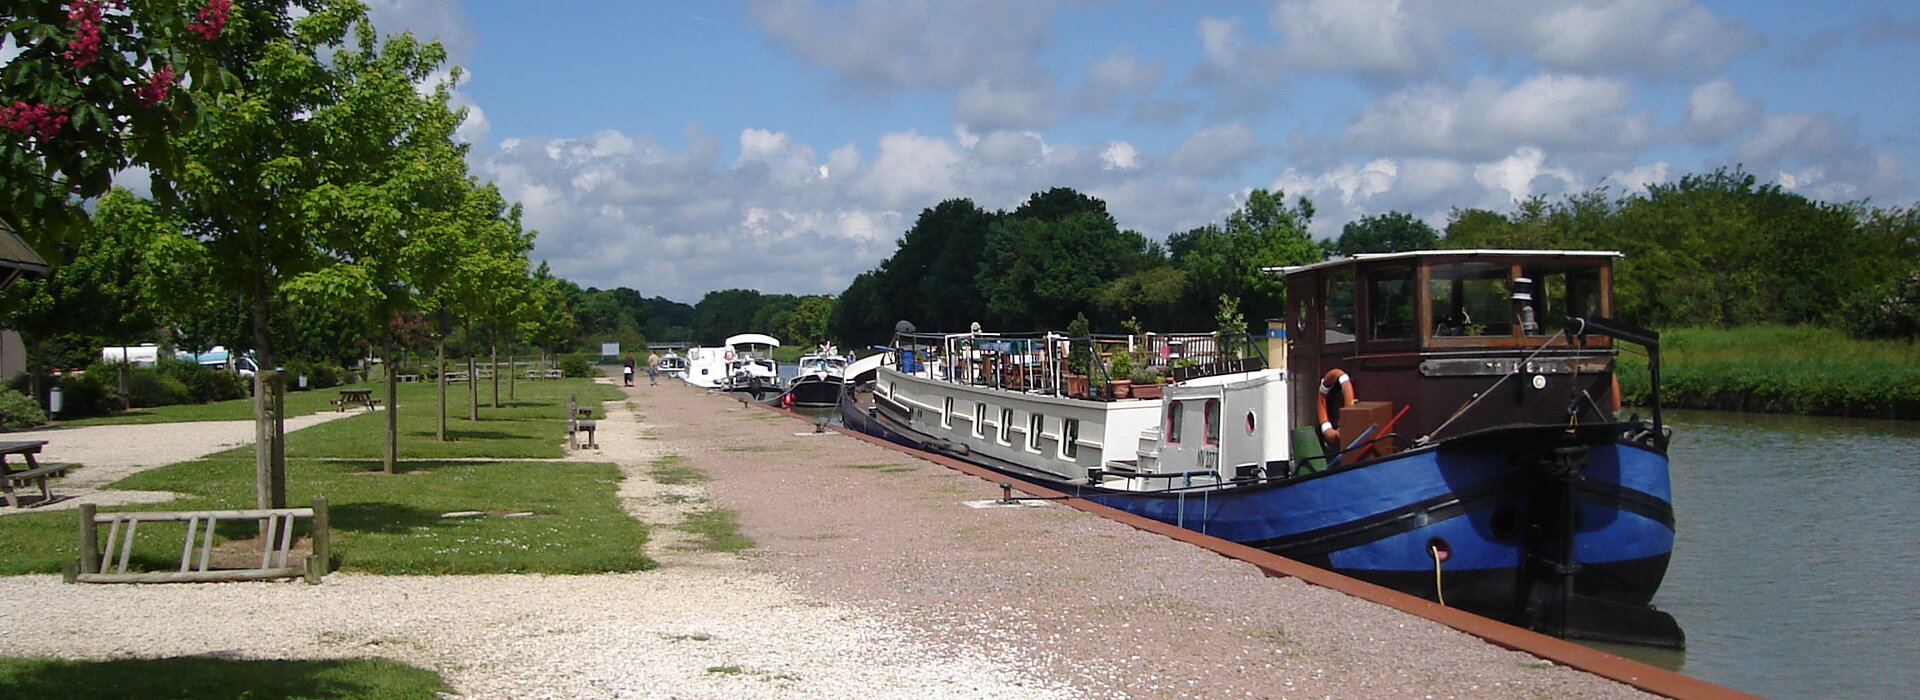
{"x": 1471, "y": 299}
{"x": 1556, "y": 292}
{"x": 1173, "y": 422}
{"x": 1337, "y": 310}
{"x": 1213, "y": 421}
{"x": 1035, "y": 423}
{"x": 1069, "y": 438}
{"x": 1390, "y": 303}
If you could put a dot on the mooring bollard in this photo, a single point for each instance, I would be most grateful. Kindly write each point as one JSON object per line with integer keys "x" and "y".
{"x": 1006, "y": 493}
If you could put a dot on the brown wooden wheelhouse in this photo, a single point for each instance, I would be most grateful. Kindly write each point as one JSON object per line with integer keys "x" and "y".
{"x": 1465, "y": 339}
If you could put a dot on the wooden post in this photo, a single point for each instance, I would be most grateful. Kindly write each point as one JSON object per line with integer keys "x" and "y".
{"x": 89, "y": 540}
{"x": 322, "y": 557}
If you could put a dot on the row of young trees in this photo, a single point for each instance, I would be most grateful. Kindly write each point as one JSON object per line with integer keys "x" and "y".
{"x": 302, "y": 170}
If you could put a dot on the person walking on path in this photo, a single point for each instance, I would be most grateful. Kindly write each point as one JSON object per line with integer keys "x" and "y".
{"x": 653, "y": 369}
{"x": 627, "y": 371}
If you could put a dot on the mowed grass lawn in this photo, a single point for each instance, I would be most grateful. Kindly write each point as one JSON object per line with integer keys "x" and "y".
{"x": 391, "y": 523}
{"x": 208, "y": 677}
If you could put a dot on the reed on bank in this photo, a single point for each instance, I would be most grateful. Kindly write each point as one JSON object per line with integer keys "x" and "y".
{"x": 1780, "y": 369}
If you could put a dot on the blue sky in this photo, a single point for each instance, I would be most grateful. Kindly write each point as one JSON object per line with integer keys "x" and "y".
{"x": 679, "y": 147}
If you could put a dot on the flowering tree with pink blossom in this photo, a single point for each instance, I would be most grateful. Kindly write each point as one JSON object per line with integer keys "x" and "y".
{"x": 93, "y": 87}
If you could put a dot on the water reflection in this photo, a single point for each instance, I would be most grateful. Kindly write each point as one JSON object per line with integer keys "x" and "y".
{"x": 1798, "y": 554}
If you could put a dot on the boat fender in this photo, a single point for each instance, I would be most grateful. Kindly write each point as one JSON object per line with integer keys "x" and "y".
{"x": 1334, "y": 378}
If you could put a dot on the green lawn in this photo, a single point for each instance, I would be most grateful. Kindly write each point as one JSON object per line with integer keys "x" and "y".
{"x": 391, "y": 524}
{"x": 207, "y": 677}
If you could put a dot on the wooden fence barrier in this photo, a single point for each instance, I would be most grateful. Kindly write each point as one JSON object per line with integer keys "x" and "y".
{"x": 276, "y": 542}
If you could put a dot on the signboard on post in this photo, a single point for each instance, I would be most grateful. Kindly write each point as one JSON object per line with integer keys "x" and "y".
{"x": 609, "y": 350}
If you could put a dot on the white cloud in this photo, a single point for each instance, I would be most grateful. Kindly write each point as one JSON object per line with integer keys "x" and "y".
{"x": 1715, "y": 110}
{"x": 1376, "y": 39}
{"x": 1822, "y": 157}
{"x": 1650, "y": 37}
{"x": 1120, "y": 155}
{"x": 1640, "y": 177}
{"x": 1523, "y": 174}
{"x": 1216, "y": 150}
{"x": 982, "y": 50}
{"x": 1481, "y": 120}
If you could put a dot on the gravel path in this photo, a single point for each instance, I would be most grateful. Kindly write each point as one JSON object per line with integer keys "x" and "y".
{"x": 870, "y": 577}
{"x": 103, "y": 454}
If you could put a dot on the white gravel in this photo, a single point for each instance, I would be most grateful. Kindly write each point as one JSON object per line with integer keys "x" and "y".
{"x": 703, "y": 625}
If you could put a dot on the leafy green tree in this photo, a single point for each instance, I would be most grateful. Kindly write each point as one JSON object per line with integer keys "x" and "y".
{"x": 1391, "y": 232}
{"x": 287, "y": 178}
{"x": 1151, "y": 297}
{"x": 1042, "y": 272}
{"x": 1227, "y": 260}
{"x": 807, "y": 322}
{"x": 131, "y": 272}
{"x": 550, "y": 325}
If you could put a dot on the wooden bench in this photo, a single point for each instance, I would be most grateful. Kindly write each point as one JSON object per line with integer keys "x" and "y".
{"x": 34, "y": 473}
{"x": 580, "y": 420}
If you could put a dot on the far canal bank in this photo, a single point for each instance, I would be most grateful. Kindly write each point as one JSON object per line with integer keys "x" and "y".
{"x": 1087, "y": 601}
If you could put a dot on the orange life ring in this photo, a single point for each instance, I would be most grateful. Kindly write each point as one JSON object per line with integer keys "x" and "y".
{"x": 1333, "y": 378}
{"x": 729, "y": 355}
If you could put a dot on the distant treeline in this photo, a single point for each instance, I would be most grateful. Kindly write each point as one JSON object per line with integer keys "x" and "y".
{"x": 621, "y": 315}
{"x": 1711, "y": 250}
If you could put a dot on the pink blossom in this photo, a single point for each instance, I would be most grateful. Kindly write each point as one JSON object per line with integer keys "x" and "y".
{"x": 37, "y": 120}
{"x": 211, "y": 20}
{"x": 154, "y": 88}
{"x": 84, "y": 17}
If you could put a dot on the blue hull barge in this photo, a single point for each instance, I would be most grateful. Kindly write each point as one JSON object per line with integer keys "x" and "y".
{"x": 1410, "y": 424}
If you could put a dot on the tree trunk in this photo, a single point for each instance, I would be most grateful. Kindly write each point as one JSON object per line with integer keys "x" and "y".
{"x": 390, "y": 457}
{"x": 441, "y": 377}
{"x": 473, "y": 389}
{"x": 496, "y": 376}
{"x": 269, "y": 430}
{"x": 126, "y": 368}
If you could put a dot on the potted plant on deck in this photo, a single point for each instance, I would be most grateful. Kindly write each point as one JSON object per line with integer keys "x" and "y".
{"x": 1079, "y": 357}
{"x": 1146, "y": 383}
{"x": 1120, "y": 375}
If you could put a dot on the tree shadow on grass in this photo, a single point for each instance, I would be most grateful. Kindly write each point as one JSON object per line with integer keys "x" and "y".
{"x": 381, "y": 517}
{"x": 406, "y": 465}
{"x": 459, "y": 435}
{"x": 212, "y": 677}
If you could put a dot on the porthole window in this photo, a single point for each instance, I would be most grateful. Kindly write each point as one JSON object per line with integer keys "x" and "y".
{"x": 1006, "y": 426}
{"x": 1035, "y": 423}
{"x": 1250, "y": 422}
{"x": 946, "y": 413}
{"x": 979, "y": 418}
{"x": 1069, "y": 438}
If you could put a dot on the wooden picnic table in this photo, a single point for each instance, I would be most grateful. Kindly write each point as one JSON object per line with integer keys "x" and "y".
{"x": 34, "y": 472}
{"x": 355, "y": 397}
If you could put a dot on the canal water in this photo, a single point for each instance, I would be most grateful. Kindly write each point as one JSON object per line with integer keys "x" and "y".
{"x": 1796, "y": 569}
